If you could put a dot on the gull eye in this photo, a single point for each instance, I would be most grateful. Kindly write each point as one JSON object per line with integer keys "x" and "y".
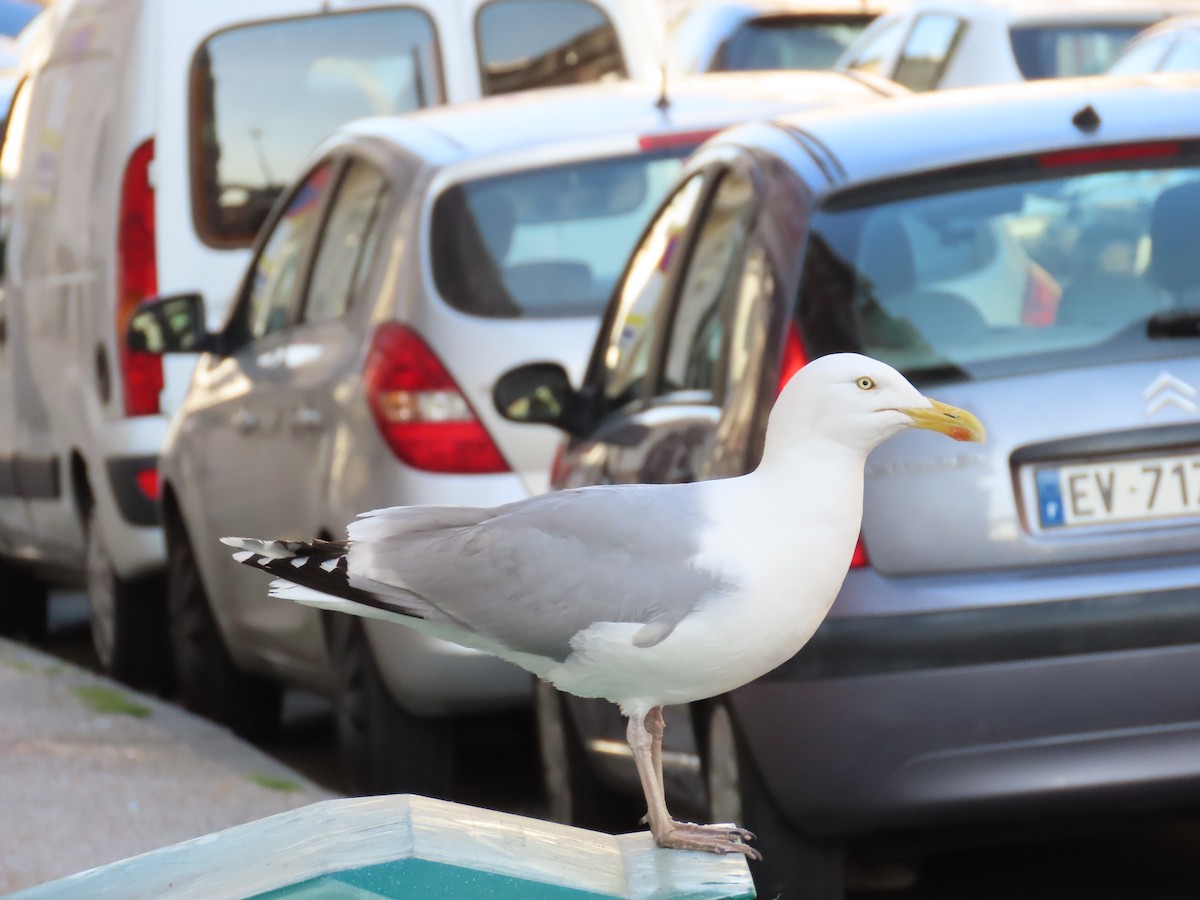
{"x": 866, "y": 383}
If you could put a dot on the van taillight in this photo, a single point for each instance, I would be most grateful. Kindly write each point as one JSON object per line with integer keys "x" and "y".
{"x": 137, "y": 278}
{"x": 420, "y": 411}
{"x": 795, "y": 358}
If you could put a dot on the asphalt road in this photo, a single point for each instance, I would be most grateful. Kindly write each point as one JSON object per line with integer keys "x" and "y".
{"x": 1147, "y": 857}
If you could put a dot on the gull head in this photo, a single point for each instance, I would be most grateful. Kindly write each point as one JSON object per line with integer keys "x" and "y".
{"x": 860, "y": 402}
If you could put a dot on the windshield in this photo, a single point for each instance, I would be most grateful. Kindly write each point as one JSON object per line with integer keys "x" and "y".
{"x": 789, "y": 42}
{"x": 1016, "y": 277}
{"x": 545, "y": 243}
{"x": 1066, "y": 51}
{"x": 247, "y": 145}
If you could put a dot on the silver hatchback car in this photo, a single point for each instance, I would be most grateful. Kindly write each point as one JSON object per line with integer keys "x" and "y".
{"x": 1019, "y": 636}
{"x": 415, "y": 259}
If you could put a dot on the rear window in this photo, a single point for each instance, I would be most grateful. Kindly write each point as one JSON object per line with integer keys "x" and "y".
{"x": 527, "y": 44}
{"x": 263, "y": 95}
{"x": 1030, "y": 275}
{"x": 1066, "y": 51}
{"x": 789, "y": 42}
{"x": 545, "y": 243}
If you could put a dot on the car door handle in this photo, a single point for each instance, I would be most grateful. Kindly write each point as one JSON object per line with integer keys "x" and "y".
{"x": 307, "y": 418}
{"x": 244, "y": 421}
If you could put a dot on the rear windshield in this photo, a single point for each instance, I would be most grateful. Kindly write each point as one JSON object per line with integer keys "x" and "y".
{"x": 541, "y": 43}
{"x": 789, "y": 42}
{"x": 263, "y": 95}
{"x": 1065, "y": 51}
{"x": 545, "y": 243}
{"x": 1025, "y": 276}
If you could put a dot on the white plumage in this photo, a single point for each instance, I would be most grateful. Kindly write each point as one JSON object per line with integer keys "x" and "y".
{"x": 647, "y": 595}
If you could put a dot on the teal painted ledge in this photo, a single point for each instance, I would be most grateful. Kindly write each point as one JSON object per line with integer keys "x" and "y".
{"x": 407, "y": 846}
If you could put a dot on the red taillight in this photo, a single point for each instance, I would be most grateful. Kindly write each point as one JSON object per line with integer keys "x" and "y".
{"x": 859, "y": 559}
{"x": 1042, "y": 294}
{"x": 672, "y": 140}
{"x": 1116, "y": 153}
{"x": 794, "y": 357}
{"x": 420, "y": 411}
{"x": 137, "y": 279}
{"x": 147, "y": 482}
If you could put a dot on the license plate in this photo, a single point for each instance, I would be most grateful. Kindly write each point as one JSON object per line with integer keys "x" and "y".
{"x": 1115, "y": 491}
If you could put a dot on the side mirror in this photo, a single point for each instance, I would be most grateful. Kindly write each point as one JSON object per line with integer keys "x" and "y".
{"x": 540, "y": 394}
{"x": 171, "y": 324}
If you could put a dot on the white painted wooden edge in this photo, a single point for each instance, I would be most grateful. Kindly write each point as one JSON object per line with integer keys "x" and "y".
{"x": 335, "y": 835}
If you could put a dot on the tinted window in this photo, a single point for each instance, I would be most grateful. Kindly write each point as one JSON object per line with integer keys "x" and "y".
{"x": 708, "y": 286}
{"x": 872, "y": 57}
{"x": 538, "y": 43}
{"x": 545, "y": 243}
{"x": 788, "y": 42}
{"x": 270, "y": 303}
{"x": 264, "y": 95}
{"x": 347, "y": 243}
{"x": 926, "y": 52}
{"x": 1184, "y": 56}
{"x": 630, "y": 335}
{"x": 1024, "y": 276}
{"x": 1065, "y": 51}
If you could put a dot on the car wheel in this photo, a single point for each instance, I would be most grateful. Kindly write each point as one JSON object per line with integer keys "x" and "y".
{"x": 209, "y": 682}
{"x": 128, "y": 618}
{"x": 384, "y": 748}
{"x": 794, "y": 865}
{"x": 24, "y": 609}
{"x": 575, "y": 794}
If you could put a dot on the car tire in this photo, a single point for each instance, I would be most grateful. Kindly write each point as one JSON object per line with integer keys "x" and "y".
{"x": 794, "y": 865}
{"x": 384, "y": 749}
{"x": 209, "y": 682}
{"x": 25, "y": 607}
{"x": 575, "y": 794}
{"x": 128, "y": 618}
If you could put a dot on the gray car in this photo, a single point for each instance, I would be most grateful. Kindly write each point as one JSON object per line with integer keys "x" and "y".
{"x": 1019, "y": 635}
{"x": 415, "y": 259}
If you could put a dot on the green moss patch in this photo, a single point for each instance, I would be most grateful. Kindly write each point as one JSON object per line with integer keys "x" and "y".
{"x": 106, "y": 700}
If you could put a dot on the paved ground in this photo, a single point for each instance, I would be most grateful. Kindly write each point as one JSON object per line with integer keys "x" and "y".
{"x": 92, "y": 772}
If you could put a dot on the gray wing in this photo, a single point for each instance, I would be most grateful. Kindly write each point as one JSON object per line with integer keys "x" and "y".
{"x": 533, "y": 574}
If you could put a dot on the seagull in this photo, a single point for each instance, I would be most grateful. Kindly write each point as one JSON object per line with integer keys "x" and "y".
{"x": 643, "y": 594}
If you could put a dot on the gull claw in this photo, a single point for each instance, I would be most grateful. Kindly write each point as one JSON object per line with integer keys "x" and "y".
{"x": 722, "y": 838}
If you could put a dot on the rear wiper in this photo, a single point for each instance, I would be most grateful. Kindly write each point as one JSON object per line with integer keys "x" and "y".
{"x": 1181, "y": 323}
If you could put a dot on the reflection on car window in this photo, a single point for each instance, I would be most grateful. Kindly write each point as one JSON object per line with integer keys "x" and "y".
{"x": 1145, "y": 56}
{"x": 927, "y": 51}
{"x": 263, "y": 95}
{"x": 871, "y": 58}
{"x": 1184, "y": 56}
{"x": 271, "y": 292}
{"x": 549, "y": 242}
{"x": 1066, "y": 51}
{"x": 630, "y": 336}
{"x": 347, "y": 243}
{"x": 697, "y": 331}
{"x": 1025, "y": 276}
{"x": 789, "y": 42}
{"x": 573, "y": 42}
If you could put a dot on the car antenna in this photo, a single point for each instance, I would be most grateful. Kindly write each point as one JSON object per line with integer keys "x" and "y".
{"x": 663, "y": 103}
{"x": 1087, "y": 119}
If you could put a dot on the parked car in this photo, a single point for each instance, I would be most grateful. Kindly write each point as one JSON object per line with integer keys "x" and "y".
{"x": 1170, "y": 46}
{"x": 937, "y": 44}
{"x": 1014, "y": 639}
{"x": 176, "y": 126}
{"x": 415, "y": 259}
{"x": 740, "y": 35}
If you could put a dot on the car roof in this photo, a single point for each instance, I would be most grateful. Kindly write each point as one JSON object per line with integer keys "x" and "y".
{"x": 925, "y": 132}
{"x": 1056, "y": 10}
{"x": 562, "y": 115}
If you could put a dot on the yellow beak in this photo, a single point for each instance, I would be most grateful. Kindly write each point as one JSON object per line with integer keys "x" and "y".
{"x": 949, "y": 420}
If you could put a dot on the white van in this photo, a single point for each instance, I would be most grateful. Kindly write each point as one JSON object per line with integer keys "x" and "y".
{"x": 145, "y": 145}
